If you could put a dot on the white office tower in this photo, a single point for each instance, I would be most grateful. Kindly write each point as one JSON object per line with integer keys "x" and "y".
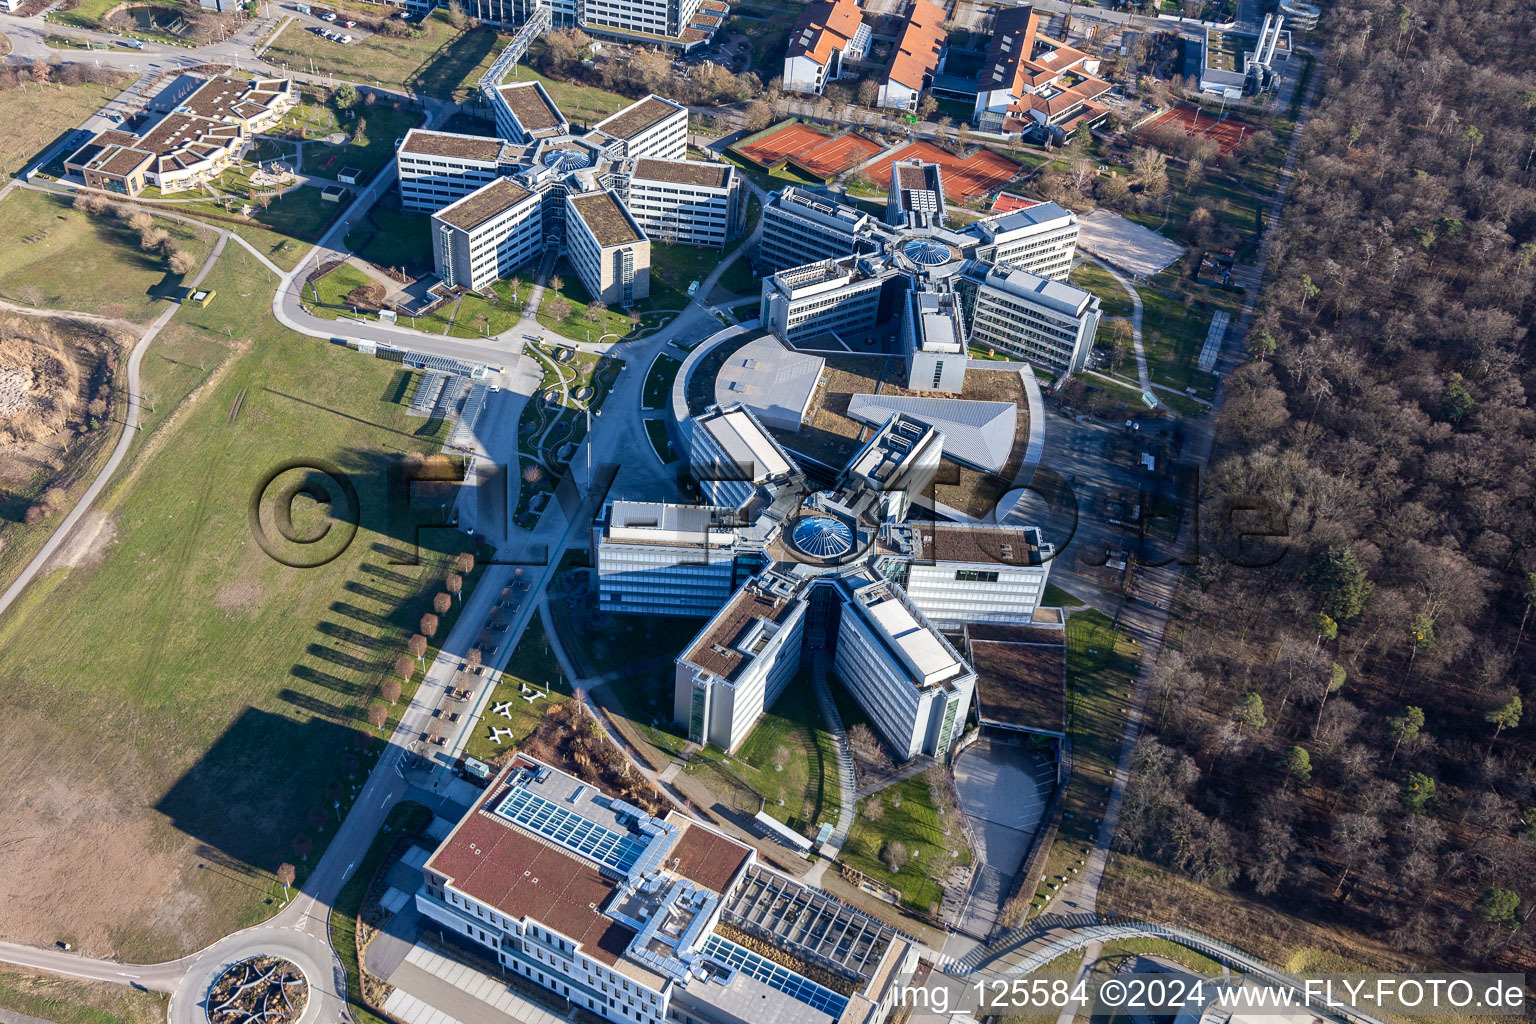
{"x": 958, "y": 574}
{"x": 913, "y": 684}
{"x": 435, "y": 168}
{"x": 730, "y": 454}
{"x": 694, "y": 202}
{"x": 1041, "y": 239}
{"x": 652, "y": 127}
{"x": 1048, "y": 323}
{"x": 898, "y": 464}
{"x": 801, "y": 228}
{"x": 665, "y": 559}
{"x": 839, "y": 297}
{"x": 933, "y": 340}
{"x": 486, "y": 235}
{"x": 741, "y": 661}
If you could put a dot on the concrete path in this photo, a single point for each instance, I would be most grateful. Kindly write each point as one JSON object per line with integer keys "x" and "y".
{"x": 1141, "y": 353}
{"x": 848, "y": 795}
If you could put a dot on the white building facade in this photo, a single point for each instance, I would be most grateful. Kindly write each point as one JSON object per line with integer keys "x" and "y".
{"x": 484, "y": 236}
{"x": 693, "y": 202}
{"x": 1048, "y": 323}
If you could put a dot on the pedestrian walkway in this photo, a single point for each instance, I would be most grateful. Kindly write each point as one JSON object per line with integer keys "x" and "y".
{"x": 845, "y": 782}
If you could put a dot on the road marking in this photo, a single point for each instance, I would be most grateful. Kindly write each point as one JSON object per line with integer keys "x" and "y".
{"x": 125, "y": 974}
{"x": 348, "y": 871}
{"x": 385, "y": 803}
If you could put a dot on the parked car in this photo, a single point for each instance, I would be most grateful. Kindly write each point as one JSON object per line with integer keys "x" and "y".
{"x": 328, "y": 16}
{"x": 349, "y": 24}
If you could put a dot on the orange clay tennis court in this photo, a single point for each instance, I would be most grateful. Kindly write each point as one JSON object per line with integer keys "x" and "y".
{"x": 820, "y": 154}
{"x": 1228, "y": 131}
{"x": 977, "y": 174}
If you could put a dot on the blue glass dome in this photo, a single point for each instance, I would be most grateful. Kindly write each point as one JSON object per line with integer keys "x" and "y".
{"x": 927, "y": 253}
{"x": 823, "y": 537}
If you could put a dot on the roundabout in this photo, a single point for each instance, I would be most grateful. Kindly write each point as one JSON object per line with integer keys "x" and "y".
{"x": 258, "y": 990}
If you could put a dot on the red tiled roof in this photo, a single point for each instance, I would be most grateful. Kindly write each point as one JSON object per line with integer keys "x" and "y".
{"x": 520, "y": 876}
{"x": 824, "y": 26}
{"x": 917, "y": 52}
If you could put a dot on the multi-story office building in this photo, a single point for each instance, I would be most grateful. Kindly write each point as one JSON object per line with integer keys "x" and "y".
{"x": 689, "y": 201}
{"x": 915, "y": 195}
{"x": 827, "y": 33}
{"x": 1041, "y": 239}
{"x": 830, "y": 297}
{"x": 897, "y": 463}
{"x": 635, "y": 917}
{"x": 741, "y": 661}
{"x": 653, "y": 127}
{"x": 1048, "y": 323}
{"x": 917, "y": 56}
{"x": 486, "y": 235}
{"x": 607, "y": 248}
{"x": 524, "y": 112}
{"x": 911, "y": 681}
{"x": 933, "y": 340}
{"x": 958, "y": 574}
{"x": 731, "y": 455}
{"x": 800, "y": 227}
{"x": 437, "y": 168}
{"x": 664, "y": 559}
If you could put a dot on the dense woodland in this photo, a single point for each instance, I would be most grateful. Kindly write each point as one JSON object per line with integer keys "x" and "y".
{"x": 1350, "y": 735}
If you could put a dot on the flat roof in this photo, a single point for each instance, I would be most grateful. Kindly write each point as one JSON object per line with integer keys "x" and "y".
{"x": 809, "y": 923}
{"x": 889, "y": 613}
{"x": 464, "y": 147}
{"x": 744, "y": 443}
{"x": 706, "y": 857}
{"x": 715, "y": 649}
{"x": 608, "y": 221}
{"x": 773, "y": 380}
{"x": 483, "y": 204}
{"x": 964, "y": 542}
{"x": 684, "y": 172}
{"x": 532, "y": 107}
{"x": 1057, "y": 295}
{"x": 637, "y": 117}
{"x": 225, "y": 96}
{"x": 1021, "y": 676}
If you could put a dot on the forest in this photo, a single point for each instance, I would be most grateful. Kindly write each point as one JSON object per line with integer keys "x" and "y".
{"x": 1348, "y": 736}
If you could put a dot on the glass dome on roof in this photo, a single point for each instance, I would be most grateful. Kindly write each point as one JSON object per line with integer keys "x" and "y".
{"x": 822, "y": 537}
{"x": 927, "y": 252}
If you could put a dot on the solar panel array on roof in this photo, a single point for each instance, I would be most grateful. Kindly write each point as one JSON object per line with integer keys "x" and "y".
{"x": 571, "y": 830}
{"x": 780, "y": 979}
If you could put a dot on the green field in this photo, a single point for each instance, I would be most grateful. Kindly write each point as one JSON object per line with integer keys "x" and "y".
{"x": 905, "y": 813}
{"x": 576, "y": 324}
{"x": 436, "y": 60}
{"x": 1172, "y": 335}
{"x": 658, "y": 382}
{"x": 59, "y": 258}
{"x": 1055, "y": 597}
{"x": 1113, "y": 301}
{"x": 213, "y": 698}
{"x": 86, "y": 14}
{"x": 383, "y": 123}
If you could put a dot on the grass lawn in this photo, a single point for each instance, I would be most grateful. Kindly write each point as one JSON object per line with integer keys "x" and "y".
{"x": 327, "y": 297}
{"x": 1101, "y": 665}
{"x": 38, "y": 116}
{"x": 502, "y": 310}
{"x": 87, "y": 14}
{"x": 576, "y": 324}
{"x": 1055, "y": 597}
{"x": 392, "y": 237}
{"x": 658, "y": 382}
{"x": 383, "y": 123}
{"x": 905, "y": 814}
{"x": 533, "y": 665}
{"x": 407, "y": 818}
{"x": 582, "y": 104}
{"x": 1173, "y": 335}
{"x": 212, "y": 709}
{"x": 1124, "y": 949}
{"x": 740, "y": 278}
{"x": 768, "y": 29}
{"x": 678, "y": 266}
{"x": 661, "y": 444}
{"x": 437, "y": 60}
{"x": 68, "y": 1001}
{"x": 299, "y": 213}
{"x": 1113, "y": 301}
{"x": 59, "y": 258}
